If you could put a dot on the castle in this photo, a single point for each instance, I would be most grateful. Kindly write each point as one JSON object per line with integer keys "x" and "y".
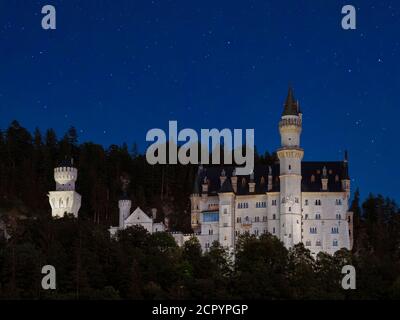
{"x": 295, "y": 200}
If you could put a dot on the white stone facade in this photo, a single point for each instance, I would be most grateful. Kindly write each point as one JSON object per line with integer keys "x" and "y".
{"x": 65, "y": 200}
{"x": 136, "y": 218}
{"x": 300, "y": 202}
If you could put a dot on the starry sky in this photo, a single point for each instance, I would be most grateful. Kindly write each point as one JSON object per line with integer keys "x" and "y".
{"x": 116, "y": 69}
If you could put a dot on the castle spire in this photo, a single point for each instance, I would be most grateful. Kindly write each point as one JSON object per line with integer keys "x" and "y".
{"x": 291, "y": 107}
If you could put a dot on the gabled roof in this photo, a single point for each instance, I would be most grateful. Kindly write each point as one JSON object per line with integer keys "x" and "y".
{"x": 138, "y": 216}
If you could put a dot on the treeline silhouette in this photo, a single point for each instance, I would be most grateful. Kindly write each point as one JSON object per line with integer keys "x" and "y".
{"x": 91, "y": 265}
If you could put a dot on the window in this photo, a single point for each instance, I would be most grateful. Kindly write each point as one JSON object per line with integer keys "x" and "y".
{"x": 335, "y": 230}
{"x": 210, "y": 216}
{"x": 313, "y": 230}
{"x": 296, "y": 200}
{"x": 239, "y": 219}
{"x": 273, "y": 230}
{"x": 338, "y": 216}
{"x": 256, "y": 232}
{"x": 257, "y": 219}
{"x": 335, "y": 243}
{"x": 306, "y": 202}
{"x": 274, "y": 202}
{"x": 318, "y": 216}
{"x": 210, "y": 231}
{"x": 274, "y": 216}
{"x": 317, "y": 202}
{"x": 290, "y": 209}
{"x": 225, "y": 211}
{"x": 306, "y": 216}
{"x": 264, "y": 218}
{"x": 318, "y": 243}
{"x": 225, "y": 224}
{"x": 290, "y": 167}
{"x": 308, "y": 243}
{"x": 338, "y": 202}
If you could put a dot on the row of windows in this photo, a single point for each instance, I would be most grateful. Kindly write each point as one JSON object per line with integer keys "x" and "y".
{"x": 256, "y": 232}
{"x": 317, "y": 202}
{"x": 243, "y": 205}
{"x": 256, "y": 219}
{"x": 335, "y": 242}
{"x": 318, "y": 216}
{"x": 263, "y": 204}
{"x": 318, "y": 243}
{"x": 334, "y": 230}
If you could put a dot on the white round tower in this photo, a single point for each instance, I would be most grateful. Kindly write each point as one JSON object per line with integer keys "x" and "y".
{"x": 124, "y": 206}
{"x": 290, "y": 156}
{"x": 65, "y": 200}
{"x": 65, "y": 176}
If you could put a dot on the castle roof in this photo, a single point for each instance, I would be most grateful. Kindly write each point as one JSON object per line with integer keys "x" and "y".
{"x": 291, "y": 107}
{"x": 311, "y": 172}
{"x": 67, "y": 162}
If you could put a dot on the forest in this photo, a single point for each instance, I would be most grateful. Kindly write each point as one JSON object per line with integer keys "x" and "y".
{"x": 139, "y": 265}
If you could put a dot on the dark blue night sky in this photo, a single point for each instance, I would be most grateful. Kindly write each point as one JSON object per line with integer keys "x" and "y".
{"x": 115, "y": 69}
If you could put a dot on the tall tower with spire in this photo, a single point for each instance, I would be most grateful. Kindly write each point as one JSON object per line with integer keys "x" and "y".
{"x": 290, "y": 156}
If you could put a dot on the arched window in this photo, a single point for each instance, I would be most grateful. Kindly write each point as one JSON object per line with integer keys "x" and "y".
{"x": 312, "y": 178}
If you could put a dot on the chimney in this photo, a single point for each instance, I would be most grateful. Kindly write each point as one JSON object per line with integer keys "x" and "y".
{"x": 252, "y": 184}
{"x": 154, "y": 213}
{"x": 234, "y": 181}
{"x": 269, "y": 178}
{"x": 166, "y": 223}
{"x": 324, "y": 180}
{"x": 204, "y": 186}
{"x": 222, "y": 178}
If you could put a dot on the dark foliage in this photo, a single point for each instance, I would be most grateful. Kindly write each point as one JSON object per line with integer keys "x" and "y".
{"x": 91, "y": 265}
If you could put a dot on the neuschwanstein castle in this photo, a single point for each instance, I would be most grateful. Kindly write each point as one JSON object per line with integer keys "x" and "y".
{"x": 295, "y": 200}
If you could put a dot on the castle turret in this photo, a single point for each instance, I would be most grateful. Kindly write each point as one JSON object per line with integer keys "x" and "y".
{"x": 65, "y": 200}
{"x": 346, "y": 177}
{"x": 234, "y": 181}
{"x": 124, "y": 206}
{"x": 195, "y": 201}
{"x": 290, "y": 155}
{"x": 252, "y": 184}
{"x": 324, "y": 179}
{"x": 269, "y": 188}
